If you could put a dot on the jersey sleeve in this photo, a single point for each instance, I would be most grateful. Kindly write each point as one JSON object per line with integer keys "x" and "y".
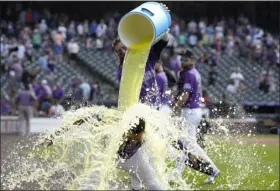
{"x": 189, "y": 83}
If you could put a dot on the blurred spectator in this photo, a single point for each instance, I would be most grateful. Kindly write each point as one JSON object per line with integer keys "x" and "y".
{"x": 175, "y": 29}
{"x": 182, "y": 38}
{"x": 94, "y": 91}
{"x": 80, "y": 29}
{"x": 5, "y": 108}
{"x": 36, "y": 39}
{"x": 43, "y": 61}
{"x": 210, "y": 35}
{"x": 22, "y": 17}
{"x": 89, "y": 43}
{"x": 4, "y": 47}
{"x": 28, "y": 76}
{"x": 85, "y": 90}
{"x": 202, "y": 26}
{"x": 200, "y": 63}
{"x": 218, "y": 46}
{"x": 62, "y": 29}
{"x": 21, "y": 50}
{"x": 73, "y": 50}
{"x": 17, "y": 67}
{"x": 86, "y": 28}
{"x": 213, "y": 58}
{"x": 51, "y": 64}
{"x": 231, "y": 87}
{"x": 277, "y": 56}
{"x": 99, "y": 43}
{"x": 219, "y": 29}
{"x": 36, "y": 88}
{"x": 237, "y": 76}
{"x": 28, "y": 16}
{"x": 192, "y": 39}
{"x": 43, "y": 27}
{"x": 174, "y": 64}
{"x": 58, "y": 92}
{"x": 71, "y": 31}
{"x": 172, "y": 43}
{"x": 212, "y": 76}
{"x": 44, "y": 92}
{"x": 192, "y": 26}
{"x": 77, "y": 92}
{"x": 93, "y": 27}
{"x": 56, "y": 110}
{"x": 264, "y": 85}
{"x": 46, "y": 87}
{"x": 58, "y": 47}
{"x": 230, "y": 44}
{"x": 25, "y": 101}
{"x": 101, "y": 29}
{"x": 267, "y": 81}
{"x": 10, "y": 29}
{"x": 13, "y": 85}
{"x": 45, "y": 106}
{"x": 50, "y": 35}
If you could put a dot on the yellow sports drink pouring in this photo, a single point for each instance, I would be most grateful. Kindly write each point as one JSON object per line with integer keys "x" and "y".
{"x": 139, "y": 30}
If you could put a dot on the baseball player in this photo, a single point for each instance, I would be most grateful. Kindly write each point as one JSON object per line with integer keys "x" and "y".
{"x": 188, "y": 103}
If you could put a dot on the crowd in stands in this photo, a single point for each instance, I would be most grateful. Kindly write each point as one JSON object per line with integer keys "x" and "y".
{"x": 231, "y": 37}
{"x": 46, "y": 38}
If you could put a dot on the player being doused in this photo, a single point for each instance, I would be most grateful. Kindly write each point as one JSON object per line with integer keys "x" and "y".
{"x": 133, "y": 160}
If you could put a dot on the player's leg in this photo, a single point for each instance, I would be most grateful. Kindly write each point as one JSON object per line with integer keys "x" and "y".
{"x": 136, "y": 182}
{"x": 192, "y": 119}
{"x": 140, "y": 167}
{"x": 146, "y": 172}
{"x": 197, "y": 159}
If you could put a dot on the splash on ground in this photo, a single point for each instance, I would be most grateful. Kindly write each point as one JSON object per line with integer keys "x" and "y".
{"x": 83, "y": 156}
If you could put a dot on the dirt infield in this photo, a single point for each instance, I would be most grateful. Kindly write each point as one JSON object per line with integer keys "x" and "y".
{"x": 260, "y": 140}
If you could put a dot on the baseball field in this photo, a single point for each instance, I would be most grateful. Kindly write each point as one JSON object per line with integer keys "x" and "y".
{"x": 246, "y": 163}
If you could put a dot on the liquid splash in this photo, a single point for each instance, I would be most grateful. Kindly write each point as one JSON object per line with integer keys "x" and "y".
{"x": 84, "y": 156}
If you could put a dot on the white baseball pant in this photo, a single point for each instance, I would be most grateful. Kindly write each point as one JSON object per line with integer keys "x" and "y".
{"x": 141, "y": 170}
{"x": 192, "y": 120}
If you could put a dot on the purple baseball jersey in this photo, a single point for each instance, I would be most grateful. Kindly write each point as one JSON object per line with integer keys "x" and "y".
{"x": 190, "y": 81}
{"x": 162, "y": 83}
{"x": 149, "y": 90}
{"x": 58, "y": 93}
{"x": 25, "y": 98}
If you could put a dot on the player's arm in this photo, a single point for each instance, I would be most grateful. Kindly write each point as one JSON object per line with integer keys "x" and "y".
{"x": 181, "y": 100}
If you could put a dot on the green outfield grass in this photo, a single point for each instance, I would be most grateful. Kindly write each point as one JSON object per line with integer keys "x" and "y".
{"x": 243, "y": 166}
{"x": 247, "y": 166}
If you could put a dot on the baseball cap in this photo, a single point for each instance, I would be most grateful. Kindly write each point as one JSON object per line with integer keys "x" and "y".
{"x": 187, "y": 53}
